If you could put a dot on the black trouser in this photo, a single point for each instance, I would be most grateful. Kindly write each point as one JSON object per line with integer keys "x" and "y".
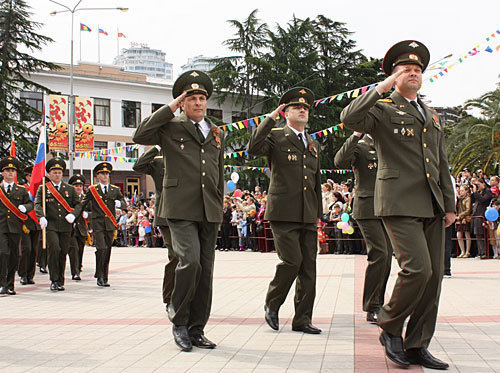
{"x": 42, "y": 256}
{"x": 448, "y": 246}
{"x": 76, "y": 253}
{"x": 30, "y": 245}
{"x": 225, "y": 233}
{"x": 103, "y": 242}
{"x": 9, "y": 258}
{"x": 58, "y": 244}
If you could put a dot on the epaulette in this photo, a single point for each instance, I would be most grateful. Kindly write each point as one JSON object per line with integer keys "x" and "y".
{"x": 387, "y": 100}
{"x": 113, "y": 186}
{"x": 22, "y": 186}
{"x": 277, "y": 129}
{"x": 96, "y": 185}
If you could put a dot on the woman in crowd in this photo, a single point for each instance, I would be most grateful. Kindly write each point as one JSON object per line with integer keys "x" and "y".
{"x": 463, "y": 224}
{"x": 481, "y": 197}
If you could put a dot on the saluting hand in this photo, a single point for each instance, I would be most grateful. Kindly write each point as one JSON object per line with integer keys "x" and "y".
{"x": 276, "y": 111}
{"x": 176, "y": 103}
{"x": 388, "y": 83}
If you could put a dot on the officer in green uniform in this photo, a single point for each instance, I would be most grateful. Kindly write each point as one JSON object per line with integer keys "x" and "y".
{"x": 191, "y": 201}
{"x": 151, "y": 163}
{"x": 80, "y": 230}
{"x": 30, "y": 243}
{"x": 413, "y": 195}
{"x": 102, "y": 207}
{"x": 293, "y": 206}
{"x": 59, "y": 196}
{"x": 14, "y": 203}
{"x": 360, "y": 154}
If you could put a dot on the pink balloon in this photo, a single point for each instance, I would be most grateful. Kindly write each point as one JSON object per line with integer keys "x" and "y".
{"x": 345, "y": 226}
{"x": 237, "y": 193}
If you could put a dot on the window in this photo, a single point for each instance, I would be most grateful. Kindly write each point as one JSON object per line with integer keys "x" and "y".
{"x": 99, "y": 145}
{"x": 132, "y": 153}
{"x": 155, "y": 107}
{"x": 214, "y": 113}
{"x": 35, "y": 100}
{"x": 101, "y": 112}
{"x": 131, "y": 114}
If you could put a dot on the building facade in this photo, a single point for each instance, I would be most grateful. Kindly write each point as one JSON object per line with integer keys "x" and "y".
{"x": 139, "y": 58}
{"x": 199, "y": 63}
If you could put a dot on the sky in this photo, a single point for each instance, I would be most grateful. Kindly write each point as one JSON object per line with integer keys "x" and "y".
{"x": 184, "y": 29}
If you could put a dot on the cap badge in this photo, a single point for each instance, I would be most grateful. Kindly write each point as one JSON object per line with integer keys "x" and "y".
{"x": 195, "y": 74}
{"x": 413, "y": 57}
{"x": 195, "y": 86}
{"x": 302, "y": 100}
{"x": 413, "y": 44}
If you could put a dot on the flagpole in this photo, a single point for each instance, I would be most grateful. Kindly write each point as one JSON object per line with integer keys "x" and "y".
{"x": 98, "y": 45}
{"x": 80, "y": 42}
{"x": 117, "y": 42}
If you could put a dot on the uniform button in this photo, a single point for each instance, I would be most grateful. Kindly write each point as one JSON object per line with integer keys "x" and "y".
{"x": 203, "y": 174}
{"x": 427, "y": 160}
{"x": 425, "y": 130}
{"x": 425, "y": 145}
{"x": 305, "y": 188}
{"x": 402, "y": 122}
{"x": 428, "y": 175}
{"x": 304, "y": 155}
{"x": 8, "y": 217}
{"x": 203, "y": 185}
{"x": 305, "y": 177}
{"x": 203, "y": 161}
{"x": 203, "y": 150}
{"x": 305, "y": 166}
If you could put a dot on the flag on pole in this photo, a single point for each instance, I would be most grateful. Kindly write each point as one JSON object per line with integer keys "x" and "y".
{"x": 85, "y": 28}
{"x": 121, "y": 35}
{"x": 134, "y": 198}
{"x": 101, "y": 31}
{"x": 13, "y": 150}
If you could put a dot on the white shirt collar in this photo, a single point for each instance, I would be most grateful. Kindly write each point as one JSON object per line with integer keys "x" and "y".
{"x": 104, "y": 185}
{"x": 304, "y": 137}
{"x": 204, "y": 126}
{"x": 5, "y": 184}
{"x": 57, "y": 185}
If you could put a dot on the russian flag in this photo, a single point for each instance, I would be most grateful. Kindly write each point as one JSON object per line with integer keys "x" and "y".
{"x": 38, "y": 172}
{"x": 101, "y": 31}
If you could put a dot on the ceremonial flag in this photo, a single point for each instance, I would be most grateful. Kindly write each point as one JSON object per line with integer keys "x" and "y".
{"x": 101, "y": 31}
{"x": 13, "y": 150}
{"x": 134, "y": 198}
{"x": 121, "y": 35}
{"x": 85, "y": 28}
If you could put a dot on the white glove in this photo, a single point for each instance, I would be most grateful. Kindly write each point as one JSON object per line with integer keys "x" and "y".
{"x": 43, "y": 222}
{"x": 118, "y": 204}
{"x": 158, "y": 147}
{"x": 22, "y": 208}
{"x": 70, "y": 218}
{"x": 85, "y": 214}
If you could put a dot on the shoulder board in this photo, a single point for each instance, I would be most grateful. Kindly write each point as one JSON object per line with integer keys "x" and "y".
{"x": 96, "y": 185}
{"x": 277, "y": 129}
{"x": 22, "y": 186}
{"x": 387, "y": 100}
{"x": 113, "y": 186}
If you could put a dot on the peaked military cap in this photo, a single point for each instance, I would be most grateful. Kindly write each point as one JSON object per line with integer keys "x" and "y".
{"x": 405, "y": 53}
{"x": 298, "y": 96}
{"x": 55, "y": 164}
{"x": 191, "y": 82}
{"x": 10, "y": 162}
{"x": 76, "y": 179}
{"x": 103, "y": 167}
{"x": 28, "y": 170}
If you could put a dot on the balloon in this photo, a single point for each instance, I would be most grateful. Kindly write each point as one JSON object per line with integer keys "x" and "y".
{"x": 491, "y": 214}
{"x": 231, "y": 185}
{"x": 344, "y": 217}
{"x": 345, "y": 226}
{"x": 350, "y": 230}
{"x": 235, "y": 177}
{"x": 339, "y": 225}
{"x": 237, "y": 193}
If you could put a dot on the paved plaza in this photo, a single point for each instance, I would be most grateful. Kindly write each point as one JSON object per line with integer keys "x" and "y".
{"x": 124, "y": 328}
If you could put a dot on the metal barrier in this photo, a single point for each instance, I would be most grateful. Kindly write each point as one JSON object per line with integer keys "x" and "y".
{"x": 485, "y": 237}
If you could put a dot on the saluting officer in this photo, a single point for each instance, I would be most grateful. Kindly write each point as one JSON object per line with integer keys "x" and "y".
{"x": 80, "y": 230}
{"x": 14, "y": 203}
{"x": 413, "y": 195}
{"x": 61, "y": 209}
{"x": 293, "y": 206}
{"x": 30, "y": 243}
{"x": 151, "y": 163}
{"x": 103, "y": 198}
{"x": 359, "y": 152}
{"x": 191, "y": 200}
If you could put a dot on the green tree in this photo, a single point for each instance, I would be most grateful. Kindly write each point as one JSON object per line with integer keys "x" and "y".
{"x": 18, "y": 33}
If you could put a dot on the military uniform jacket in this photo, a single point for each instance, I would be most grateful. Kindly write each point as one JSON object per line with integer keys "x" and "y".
{"x": 360, "y": 155}
{"x": 54, "y": 211}
{"x": 193, "y": 184}
{"x": 295, "y": 188}
{"x": 149, "y": 164}
{"x": 412, "y": 161}
{"x": 10, "y": 223}
{"x": 98, "y": 219}
{"x": 30, "y": 223}
{"x": 79, "y": 225}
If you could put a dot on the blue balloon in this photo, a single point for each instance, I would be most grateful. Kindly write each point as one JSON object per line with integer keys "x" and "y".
{"x": 344, "y": 217}
{"x": 491, "y": 214}
{"x": 231, "y": 185}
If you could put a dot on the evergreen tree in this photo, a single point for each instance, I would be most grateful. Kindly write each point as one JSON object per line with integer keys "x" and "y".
{"x": 17, "y": 33}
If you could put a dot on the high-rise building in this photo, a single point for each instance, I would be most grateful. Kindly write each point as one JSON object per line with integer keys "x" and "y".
{"x": 139, "y": 58}
{"x": 199, "y": 63}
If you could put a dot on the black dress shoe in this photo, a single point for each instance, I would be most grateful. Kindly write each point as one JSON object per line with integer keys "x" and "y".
{"x": 106, "y": 283}
{"x": 3, "y": 290}
{"x": 53, "y": 286}
{"x": 372, "y": 316}
{"x": 76, "y": 278}
{"x": 101, "y": 282}
{"x": 181, "y": 338}
{"x": 60, "y": 287}
{"x": 31, "y": 282}
{"x": 422, "y": 356}
{"x": 43, "y": 270}
{"x": 11, "y": 292}
{"x": 200, "y": 341}
{"x": 272, "y": 318}
{"x": 394, "y": 349}
{"x": 306, "y": 328}
{"x": 23, "y": 280}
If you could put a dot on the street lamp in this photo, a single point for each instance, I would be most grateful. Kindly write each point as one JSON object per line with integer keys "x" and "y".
{"x": 71, "y": 97}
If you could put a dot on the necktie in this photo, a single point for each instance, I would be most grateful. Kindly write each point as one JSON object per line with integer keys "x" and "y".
{"x": 105, "y": 189}
{"x": 8, "y": 189}
{"x": 416, "y": 106}
{"x": 57, "y": 188}
{"x": 200, "y": 134}
{"x": 301, "y": 140}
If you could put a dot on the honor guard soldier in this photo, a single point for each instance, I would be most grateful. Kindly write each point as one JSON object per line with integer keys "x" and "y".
{"x": 80, "y": 230}
{"x": 30, "y": 243}
{"x": 57, "y": 216}
{"x": 14, "y": 204}
{"x": 151, "y": 163}
{"x": 295, "y": 176}
{"x": 191, "y": 201}
{"x": 104, "y": 198}
{"x": 360, "y": 154}
{"x": 413, "y": 196}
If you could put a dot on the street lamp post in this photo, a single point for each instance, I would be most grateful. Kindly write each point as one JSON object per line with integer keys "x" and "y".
{"x": 72, "y": 97}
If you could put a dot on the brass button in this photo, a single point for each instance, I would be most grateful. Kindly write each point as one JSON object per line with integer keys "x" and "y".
{"x": 425, "y": 145}
{"x": 402, "y": 122}
{"x": 203, "y": 185}
{"x": 203, "y": 174}
{"x": 305, "y": 188}
{"x": 8, "y": 217}
{"x": 305, "y": 177}
{"x": 203, "y": 150}
{"x": 288, "y": 149}
{"x": 427, "y": 160}
{"x": 304, "y": 166}
{"x": 425, "y": 130}
{"x": 304, "y": 155}
{"x": 428, "y": 175}
{"x": 203, "y": 161}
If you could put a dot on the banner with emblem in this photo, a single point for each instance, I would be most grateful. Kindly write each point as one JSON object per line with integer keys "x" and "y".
{"x": 58, "y": 126}
{"x": 84, "y": 128}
